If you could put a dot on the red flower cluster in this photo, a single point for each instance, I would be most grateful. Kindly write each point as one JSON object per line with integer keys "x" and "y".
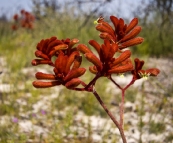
{"x": 106, "y": 64}
{"x": 123, "y": 35}
{"x": 115, "y": 41}
{"x": 26, "y": 20}
{"x": 112, "y": 57}
{"x": 66, "y": 65}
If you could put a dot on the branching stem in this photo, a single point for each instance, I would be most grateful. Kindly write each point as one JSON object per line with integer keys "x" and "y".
{"x": 111, "y": 116}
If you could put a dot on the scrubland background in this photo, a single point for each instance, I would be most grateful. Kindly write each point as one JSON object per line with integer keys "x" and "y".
{"x": 58, "y": 115}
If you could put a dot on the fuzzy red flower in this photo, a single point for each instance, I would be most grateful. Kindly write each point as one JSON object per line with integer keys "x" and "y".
{"x": 139, "y": 73}
{"x": 27, "y": 19}
{"x": 122, "y": 34}
{"x": 47, "y": 48}
{"x": 65, "y": 72}
{"x": 106, "y": 64}
{"x": 15, "y": 17}
{"x": 66, "y": 66}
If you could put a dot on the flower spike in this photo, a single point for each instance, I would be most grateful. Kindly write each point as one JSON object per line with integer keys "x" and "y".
{"x": 132, "y": 34}
{"x": 125, "y": 55}
{"x": 95, "y": 45}
{"x": 93, "y": 59}
{"x": 121, "y": 69}
{"x": 132, "y": 42}
{"x": 77, "y": 62}
{"x": 66, "y": 63}
{"x": 41, "y": 84}
{"x": 83, "y": 49}
{"x": 40, "y": 75}
{"x": 131, "y": 25}
{"x": 36, "y": 62}
{"x": 121, "y": 32}
{"x": 73, "y": 83}
{"x": 115, "y": 21}
{"x": 71, "y": 60}
{"x": 74, "y": 73}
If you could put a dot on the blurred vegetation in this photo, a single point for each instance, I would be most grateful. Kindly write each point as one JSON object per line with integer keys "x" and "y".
{"x": 156, "y": 18}
{"x": 69, "y": 19}
{"x": 17, "y": 50}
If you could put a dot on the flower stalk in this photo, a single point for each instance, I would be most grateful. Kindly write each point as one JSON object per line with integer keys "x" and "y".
{"x": 67, "y": 70}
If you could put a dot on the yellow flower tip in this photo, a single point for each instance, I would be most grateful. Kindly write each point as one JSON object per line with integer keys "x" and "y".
{"x": 121, "y": 75}
{"x": 95, "y": 22}
{"x": 144, "y": 75}
{"x": 98, "y": 20}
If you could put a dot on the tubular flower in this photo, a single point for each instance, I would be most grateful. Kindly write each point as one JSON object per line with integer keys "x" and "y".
{"x": 139, "y": 73}
{"x": 47, "y": 48}
{"x": 106, "y": 64}
{"x": 122, "y": 34}
{"x": 27, "y": 19}
{"x": 66, "y": 72}
{"x": 66, "y": 65}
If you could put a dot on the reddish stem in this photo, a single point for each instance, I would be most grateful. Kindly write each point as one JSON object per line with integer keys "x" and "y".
{"x": 132, "y": 82}
{"x": 111, "y": 116}
{"x": 122, "y": 109}
{"x": 122, "y": 98}
{"x": 90, "y": 89}
{"x": 93, "y": 81}
{"x": 115, "y": 83}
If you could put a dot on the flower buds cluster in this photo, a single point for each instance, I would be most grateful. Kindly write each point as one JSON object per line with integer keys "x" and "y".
{"x": 122, "y": 34}
{"x": 105, "y": 63}
{"x": 66, "y": 66}
{"x": 25, "y": 20}
{"x": 112, "y": 56}
{"x": 139, "y": 73}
